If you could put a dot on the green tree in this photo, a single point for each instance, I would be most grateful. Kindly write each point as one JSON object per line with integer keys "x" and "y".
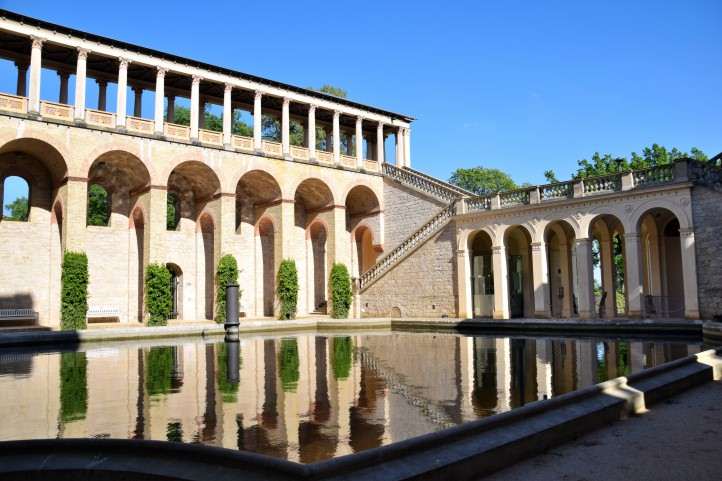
{"x": 332, "y": 90}
{"x": 98, "y": 205}
{"x": 227, "y": 273}
{"x": 482, "y": 180}
{"x": 17, "y": 209}
{"x": 182, "y": 116}
{"x": 172, "y": 211}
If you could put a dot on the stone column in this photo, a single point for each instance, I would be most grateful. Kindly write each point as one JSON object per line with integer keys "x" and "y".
{"x": 195, "y": 101}
{"x": 35, "y": 70}
{"x": 400, "y": 147}
{"x": 501, "y": 285}
{"x": 633, "y": 278}
{"x": 63, "y": 91}
{"x": 540, "y": 271}
{"x": 312, "y": 132}
{"x": 286, "y": 128}
{"x": 120, "y": 107}
{"x": 359, "y": 143}
{"x": 76, "y": 191}
{"x": 606, "y": 260}
{"x": 21, "y": 88}
{"x": 463, "y": 276}
{"x": 227, "y": 115}
{"x": 585, "y": 278}
{"x": 156, "y": 227}
{"x": 336, "y": 137}
{"x": 159, "y": 98}
{"x": 689, "y": 274}
{"x": 288, "y": 245}
{"x": 102, "y": 94}
{"x": 137, "y": 101}
{"x": 257, "y": 122}
{"x": 80, "y": 83}
{"x": 380, "y": 143}
{"x": 407, "y": 147}
{"x": 170, "y": 115}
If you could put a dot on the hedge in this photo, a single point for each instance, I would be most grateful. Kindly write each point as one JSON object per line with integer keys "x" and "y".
{"x": 342, "y": 357}
{"x": 158, "y": 301}
{"x": 159, "y": 370}
{"x": 287, "y": 289}
{"x": 74, "y": 296}
{"x": 227, "y": 273}
{"x": 288, "y": 364}
{"x": 340, "y": 291}
{"x": 73, "y": 386}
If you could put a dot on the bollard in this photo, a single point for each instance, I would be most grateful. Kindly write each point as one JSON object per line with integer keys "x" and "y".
{"x": 232, "y": 361}
{"x": 231, "y": 324}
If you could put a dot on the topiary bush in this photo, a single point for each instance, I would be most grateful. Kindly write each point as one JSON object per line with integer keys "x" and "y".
{"x": 342, "y": 357}
{"x": 73, "y": 386}
{"x": 288, "y": 364}
{"x": 287, "y": 289}
{"x": 158, "y": 301}
{"x": 227, "y": 273}
{"x": 340, "y": 291}
{"x": 74, "y": 296}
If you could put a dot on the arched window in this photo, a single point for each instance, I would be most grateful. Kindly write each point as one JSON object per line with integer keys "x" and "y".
{"x": 172, "y": 211}
{"x": 98, "y": 205}
{"x": 16, "y": 199}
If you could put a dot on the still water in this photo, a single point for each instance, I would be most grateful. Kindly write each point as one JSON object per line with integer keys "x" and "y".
{"x": 304, "y": 398}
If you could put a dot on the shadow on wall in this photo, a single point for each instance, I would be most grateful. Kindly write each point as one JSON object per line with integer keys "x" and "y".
{"x": 11, "y": 304}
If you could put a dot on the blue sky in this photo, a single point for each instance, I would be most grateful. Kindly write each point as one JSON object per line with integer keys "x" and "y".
{"x": 522, "y": 86}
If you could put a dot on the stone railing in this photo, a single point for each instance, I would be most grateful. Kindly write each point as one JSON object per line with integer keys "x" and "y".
{"x": 57, "y": 111}
{"x": 659, "y": 174}
{"x": 100, "y": 118}
{"x": 210, "y": 137}
{"x": 176, "y": 131}
{"x": 514, "y": 197}
{"x": 477, "y": 204}
{"x": 348, "y": 161}
{"x": 136, "y": 124}
{"x": 556, "y": 191}
{"x": 242, "y": 142}
{"x": 299, "y": 152}
{"x": 449, "y": 185}
{"x": 421, "y": 182}
{"x": 371, "y": 165}
{"x": 407, "y": 245}
{"x": 602, "y": 184}
{"x": 270, "y": 147}
{"x": 13, "y": 103}
{"x": 324, "y": 157}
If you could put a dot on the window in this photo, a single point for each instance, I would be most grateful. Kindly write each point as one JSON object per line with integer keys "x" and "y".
{"x": 172, "y": 211}
{"x": 16, "y": 195}
{"x": 98, "y": 206}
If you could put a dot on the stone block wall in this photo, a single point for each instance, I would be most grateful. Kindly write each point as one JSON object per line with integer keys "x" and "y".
{"x": 708, "y": 240}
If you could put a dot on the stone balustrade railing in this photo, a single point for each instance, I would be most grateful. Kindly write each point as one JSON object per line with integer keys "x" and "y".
{"x": 424, "y": 183}
{"x": 557, "y": 190}
{"x": 602, "y": 184}
{"x": 453, "y": 187}
{"x": 514, "y": 197}
{"x": 476, "y": 204}
{"x": 409, "y": 244}
{"x": 659, "y": 174}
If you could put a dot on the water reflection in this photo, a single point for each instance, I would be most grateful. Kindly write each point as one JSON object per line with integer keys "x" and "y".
{"x": 304, "y": 398}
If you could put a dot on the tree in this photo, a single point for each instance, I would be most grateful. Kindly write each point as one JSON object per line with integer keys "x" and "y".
{"x": 182, "y": 116}
{"x": 331, "y": 90}
{"x": 482, "y": 180}
{"x": 98, "y": 205}
{"x": 17, "y": 209}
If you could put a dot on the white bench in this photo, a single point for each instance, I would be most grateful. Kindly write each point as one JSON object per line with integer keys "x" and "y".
{"x": 103, "y": 312}
{"x": 18, "y": 315}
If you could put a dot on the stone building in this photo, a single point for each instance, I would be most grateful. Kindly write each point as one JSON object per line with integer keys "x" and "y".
{"x": 184, "y": 195}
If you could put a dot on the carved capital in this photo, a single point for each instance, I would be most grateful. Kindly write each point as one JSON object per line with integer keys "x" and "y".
{"x": 37, "y": 42}
{"x": 259, "y": 95}
{"x": 162, "y": 71}
{"x": 197, "y": 80}
{"x": 123, "y": 62}
{"x": 83, "y": 53}
{"x": 227, "y": 88}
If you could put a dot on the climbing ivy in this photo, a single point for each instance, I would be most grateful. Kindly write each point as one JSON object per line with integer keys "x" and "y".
{"x": 287, "y": 289}
{"x": 74, "y": 286}
{"x": 158, "y": 299}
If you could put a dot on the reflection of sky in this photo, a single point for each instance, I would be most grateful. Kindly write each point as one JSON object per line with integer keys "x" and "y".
{"x": 14, "y": 187}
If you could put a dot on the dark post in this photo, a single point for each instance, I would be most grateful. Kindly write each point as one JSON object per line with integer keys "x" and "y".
{"x": 231, "y": 325}
{"x": 232, "y": 361}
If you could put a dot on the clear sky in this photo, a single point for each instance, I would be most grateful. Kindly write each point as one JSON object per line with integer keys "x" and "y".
{"x": 519, "y": 85}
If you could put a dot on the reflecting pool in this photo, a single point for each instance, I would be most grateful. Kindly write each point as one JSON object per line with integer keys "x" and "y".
{"x": 305, "y": 398}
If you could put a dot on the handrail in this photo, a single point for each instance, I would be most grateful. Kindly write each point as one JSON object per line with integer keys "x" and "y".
{"x": 424, "y": 182}
{"x": 451, "y": 186}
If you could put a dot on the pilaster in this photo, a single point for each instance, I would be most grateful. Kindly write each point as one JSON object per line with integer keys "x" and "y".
{"x": 540, "y": 272}
{"x": 75, "y": 203}
{"x": 501, "y": 284}
{"x": 633, "y": 264}
{"x": 689, "y": 274}
{"x": 463, "y": 276}
{"x": 585, "y": 275}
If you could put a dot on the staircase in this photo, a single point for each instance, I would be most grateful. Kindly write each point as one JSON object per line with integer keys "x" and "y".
{"x": 426, "y": 184}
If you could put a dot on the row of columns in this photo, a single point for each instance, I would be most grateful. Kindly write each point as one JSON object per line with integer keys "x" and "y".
{"x": 403, "y": 138}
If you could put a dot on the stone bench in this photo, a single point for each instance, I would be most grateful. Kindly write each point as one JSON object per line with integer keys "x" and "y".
{"x": 26, "y": 315}
{"x": 103, "y": 312}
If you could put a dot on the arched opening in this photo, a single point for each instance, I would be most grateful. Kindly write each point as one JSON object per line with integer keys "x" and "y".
{"x": 517, "y": 241}
{"x": 172, "y": 211}
{"x": 176, "y": 291}
{"x": 266, "y": 239}
{"x": 206, "y": 267}
{"x": 362, "y": 206}
{"x": 98, "y": 211}
{"x": 662, "y": 283}
{"x": 482, "y": 275}
{"x": 16, "y": 198}
{"x": 365, "y": 252}
{"x": 257, "y": 193}
{"x": 318, "y": 235}
{"x": 559, "y": 239}
{"x": 136, "y": 264}
{"x": 194, "y": 186}
{"x": 609, "y": 265}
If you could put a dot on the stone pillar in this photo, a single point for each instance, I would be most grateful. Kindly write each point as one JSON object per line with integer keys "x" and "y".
{"x": 63, "y": 94}
{"x": 35, "y": 70}
{"x": 257, "y": 122}
{"x": 170, "y": 114}
{"x": 336, "y": 137}
{"x": 540, "y": 271}
{"x": 80, "y": 83}
{"x": 120, "y": 107}
{"x": 102, "y": 94}
{"x": 312, "y": 132}
{"x": 227, "y": 115}
{"x": 341, "y": 238}
{"x": 606, "y": 260}
{"x": 407, "y": 147}
{"x": 21, "y": 88}
{"x": 156, "y": 227}
{"x": 359, "y": 143}
{"x": 286, "y": 128}
{"x": 159, "y": 98}
{"x": 689, "y": 274}
{"x": 566, "y": 281}
{"x": 195, "y": 101}
{"x": 585, "y": 276}
{"x": 75, "y": 211}
{"x": 633, "y": 277}
{"x": 137, "y": 101}
{"x": 501, "y": 285}
{"x": 380, "y": 143}
{"x": 227, "y": 224}
{"x": 463, "y": 276}
{"x": 399, "y": 148}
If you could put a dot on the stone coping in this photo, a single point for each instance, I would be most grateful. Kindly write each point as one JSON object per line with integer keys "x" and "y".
{"x": 463, "y": 452}
{"x": 712, "y": 330}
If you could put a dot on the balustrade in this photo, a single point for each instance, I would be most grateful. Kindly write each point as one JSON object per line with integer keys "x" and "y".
{"x": 348, "y": 161}
{"x": 100, "y": 118}
{"x": 210, "y": 137}
{"x": 654, "y": 175}
{"x": 176, "y": 131}
{"x": 242, "y": 142}
{"x": 56, "y": 111}
{"x": 272, "y": 148}
{"x": 324, "y": 157}
{"x": 422, "y": 183}
{"x": 603, "y": 184}
{"x": 556, "y": 191}
{"x": 136, "y": 124}
{"x": 13, "y": 103}
{"x": 514, "y": 197}
{"x": 477, "y": 204}
{"x": 299, "y": 152}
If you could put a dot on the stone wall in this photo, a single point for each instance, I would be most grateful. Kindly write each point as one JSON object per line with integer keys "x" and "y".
{"x": 708, "y": 240}
{"x": 421, "y": 285}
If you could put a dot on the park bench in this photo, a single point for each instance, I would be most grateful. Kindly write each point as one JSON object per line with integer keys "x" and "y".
{"x": 103, "y": 312}
{"x": 26, "y": 315}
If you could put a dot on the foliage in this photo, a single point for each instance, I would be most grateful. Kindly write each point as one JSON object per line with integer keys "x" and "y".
{"x": 182, "y": 116}
{"x": 17, "y": 209}
{"x": 287, "y": 288}
{"x": 342, "y": 357}
{"x": 158, "y": 299}
{"x": 288, "y": 364}
{"x": 270, "y": 128}
{"x": 172, "y": 211}
{"x": 227, "y": 273}
{"x": 159, "y": 370}
{"x": 340, "y": 291}
{"x": 228, "y": 389}
{"x": 174, "y": 432}
{"x": 482, "y": 180}
{"x": 98, "y": 206}
{"x": 332, "y": 90}
{"x": 74, "y": 287}
{"x": 73, "y": 386}
{"x": 550, "y": 177}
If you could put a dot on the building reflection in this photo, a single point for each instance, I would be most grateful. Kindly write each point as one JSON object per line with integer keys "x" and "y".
{"x": 306, "y": 398}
